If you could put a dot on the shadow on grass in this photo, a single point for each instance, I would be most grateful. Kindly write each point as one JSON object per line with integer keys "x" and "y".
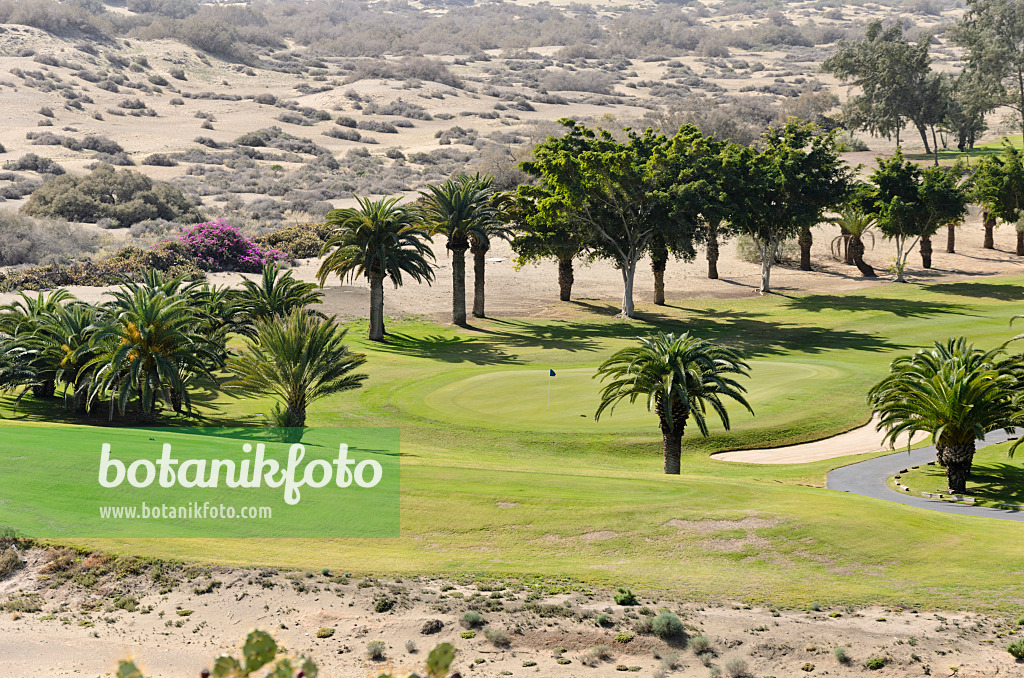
{"x": 978, "y": 290}
{"x": 997, "y": 482}
{"x": 750, "y": 332}
{"x": 903, "y": 308}
{"x": 452, "y": 349}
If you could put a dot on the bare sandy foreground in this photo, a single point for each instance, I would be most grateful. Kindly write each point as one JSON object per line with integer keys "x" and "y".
{"x": 176, "y": 633}
{"x": 532, "y": 290}
{"x": 858, "y": 441}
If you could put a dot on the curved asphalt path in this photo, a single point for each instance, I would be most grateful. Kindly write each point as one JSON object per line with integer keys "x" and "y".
{"x": 868, "y": 479}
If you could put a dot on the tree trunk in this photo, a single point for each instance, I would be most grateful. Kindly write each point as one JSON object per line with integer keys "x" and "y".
{"x": 926, "y": 251}
{"x": 659, "y": 260}
{"x": 177, "y": 400}
{"x": 479, "y": 264}
{"x": 459, "y": 286}
{"x": 951, "y": 239}
{"x": 376, "y": 307}
{"x": 857, "y": 253}
{"x": 935, "y": 146}
{"x": 565, "y": 278}
{"x": 673, "y": 441}
{"x": 713, "y": 251}
{"x": 628, "y": 275}
{"x": 924, "y": 138}
{"x": 990, "y": 225}
{"x": 806, "y": 240}
{"x": 767, "y": 259}
{"x": 958, "y": 460}
{"x": 44, "y": 389}
{"x": 1020, "y": 243}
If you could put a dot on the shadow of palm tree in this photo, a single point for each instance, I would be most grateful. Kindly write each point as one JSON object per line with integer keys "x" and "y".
{"x": 978, "y": 290}
{"x": 455, "y": 349}
{"x": 902, "y": 308}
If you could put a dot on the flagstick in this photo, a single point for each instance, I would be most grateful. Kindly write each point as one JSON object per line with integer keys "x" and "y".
{"x": 549, "y": 390}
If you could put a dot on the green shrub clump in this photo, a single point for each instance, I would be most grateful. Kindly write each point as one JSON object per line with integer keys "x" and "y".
{"x": 667, "y": 625}
{"x": 625, "y": 597}
{"x": 125, "y": 197}
{"x": 1016, "y": 648}
{"x": 325, "y": 632}
{"x": 875, "y": 663}
{"x": 375, "y": 649}
{"x": 301, "y": 241}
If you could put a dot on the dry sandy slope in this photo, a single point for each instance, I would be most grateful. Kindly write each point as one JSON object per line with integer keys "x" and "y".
{"x": 38, "y": 644}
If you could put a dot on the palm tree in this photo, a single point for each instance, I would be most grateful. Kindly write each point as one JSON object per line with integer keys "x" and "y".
{"x": 152, "y": 344}
{"x": 379, "y": 239}
{"x": 299, "y": 360}
{"x": 855, "y": 224}
{"x": 955, "y": 392}
{"x": 63, "y": 342}
{"x": 460, "y": 209}
{"x": 679, "y": 376}
{"x": 20, "y": 318}
{"x": 480, "y": 242}
{"x": 276, "y": 294}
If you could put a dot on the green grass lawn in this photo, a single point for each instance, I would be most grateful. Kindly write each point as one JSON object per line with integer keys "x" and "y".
{"x": 498, "y": 483}
{"x": 995, "y": 478}
{"x": 951, "y": 155}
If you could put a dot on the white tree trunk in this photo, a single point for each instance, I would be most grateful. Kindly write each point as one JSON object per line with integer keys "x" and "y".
{"x": 628, "y": 274}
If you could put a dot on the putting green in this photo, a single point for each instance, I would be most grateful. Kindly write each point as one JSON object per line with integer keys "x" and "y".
{"x": 521, "y": 398}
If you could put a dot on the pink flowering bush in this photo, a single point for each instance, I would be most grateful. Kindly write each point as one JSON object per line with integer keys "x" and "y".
{"x": 218, "y": 246}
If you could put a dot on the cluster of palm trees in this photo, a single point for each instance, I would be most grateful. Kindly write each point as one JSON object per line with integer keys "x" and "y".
{"x": 384, "y": 239}
{"x": 158, "y": 340}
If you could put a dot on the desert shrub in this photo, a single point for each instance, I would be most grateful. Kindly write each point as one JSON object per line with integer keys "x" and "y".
{"x": 625, "y": 597}
{"x": 2, "y": 149}
{"x": 343, "y": 133}
{"x": 46, "y": 112}
{"x": 736, "y": 668}
{"x": 842, "y": 656}
{"x": 604, "y": 620}
{"x": 123, "y": 196}
{"x": 700, "y": 644}
{"x": 472, "y": 618}
{"x": 596, "y": 655}
{"x": 34, "y": 241}
{"x": 265, "y": 98}
{"x": 132, "y": 104}
{"x": 1016, "y": 648}
{"x": 345, "y": 121}
{"x": 10, "y": 562}
{"x": 177, "y": 73}
{"x": 375, "y": 649}
{"x": 876, "y": 663}
{"x": 24, "y": 602}
{"x": 497, "y": 637}
{"x": 325, "y": 632}
{"x": 30, "y": 162}
{"x": 101, "y": 144}
{"x": 218, "y": 246}
{"x": 382, "y": 605}
{"x": 597, "y": 82}
{"x": 394, "y": 153}
{"x": 159, "y": 160}
{"x": 298, "y": 242}
{"x": 377, "y": 126}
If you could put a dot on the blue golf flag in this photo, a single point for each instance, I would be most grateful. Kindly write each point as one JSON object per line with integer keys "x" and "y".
{"x": 551, "y": 373}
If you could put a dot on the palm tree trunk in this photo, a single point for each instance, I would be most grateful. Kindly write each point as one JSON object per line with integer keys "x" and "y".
{"x": 951, "y": 239}
{"x": 44, "y": 389}
{"x": 990, "y": 225}
{"x": 926, "y": 251}
{"x": 459, "y": 286}
{"x": 565, "y": 278}
{"x": 479, "y": 264}
{"x": 712, "y": 251}
{"x": 673, "y": 441}
{"x": 958, "y": 460}
{"x": 857, "y": 253}
{"x": 376, "y": 307}
{"x": 1020, "y": 243}
{"x": 806, "y": 240}
{"x": 659, "y": 259}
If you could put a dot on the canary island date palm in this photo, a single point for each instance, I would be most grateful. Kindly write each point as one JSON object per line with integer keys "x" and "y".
{"x": 377, "y": 240}
{"x": 855, "y": 225}
{"x": 63, "y": 343}
{"x": 679, "y": 377}
{"x": 955, "y": 392}
{"x": 462, "y": 210}
{"x": 152, "y": 344}
{"x": 276, "y": 294}
{"x": 297, "y": 360}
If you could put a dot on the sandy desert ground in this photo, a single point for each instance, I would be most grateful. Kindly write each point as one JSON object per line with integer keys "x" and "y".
{"x": 173, "y": 631}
